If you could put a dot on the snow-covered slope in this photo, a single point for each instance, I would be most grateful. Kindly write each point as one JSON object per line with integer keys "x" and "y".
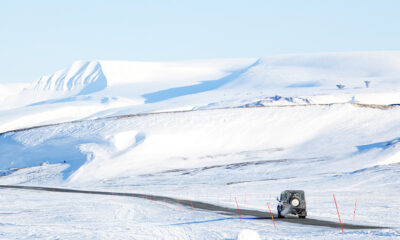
{"x": 107, "y": 148}
{"x": 212, "y": 155}
{"x": 323, "y": 71}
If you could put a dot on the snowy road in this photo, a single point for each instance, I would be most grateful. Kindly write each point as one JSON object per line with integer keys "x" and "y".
{"x": 204, "y": 206}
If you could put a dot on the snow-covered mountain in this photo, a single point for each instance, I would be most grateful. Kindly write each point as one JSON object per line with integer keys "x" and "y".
{"x": 80, "y": 78}
{"x": 86, "y": 77}
{"x": 275, "y": 72}
{"x": 91, "y": 89}
{"x": 289, "y": 75}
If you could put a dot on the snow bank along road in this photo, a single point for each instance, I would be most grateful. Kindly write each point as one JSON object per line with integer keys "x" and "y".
{"x": 203, "y": 206}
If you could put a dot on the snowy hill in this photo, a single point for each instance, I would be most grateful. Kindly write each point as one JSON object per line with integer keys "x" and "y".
{"x": 323, "y": 71}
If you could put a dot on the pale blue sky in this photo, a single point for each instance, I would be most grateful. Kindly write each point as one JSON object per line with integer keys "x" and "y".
{"x": 42, "y": 36}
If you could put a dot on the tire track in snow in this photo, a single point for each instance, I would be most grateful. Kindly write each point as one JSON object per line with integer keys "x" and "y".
{"x": 205, "y": 206}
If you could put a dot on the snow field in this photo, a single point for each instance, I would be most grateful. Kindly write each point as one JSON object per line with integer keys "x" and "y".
{"x": 258, "y": 127}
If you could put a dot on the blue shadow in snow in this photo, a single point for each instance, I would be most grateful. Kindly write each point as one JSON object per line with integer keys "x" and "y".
{"x": 62, "y": 100}
{"x": 213, "y": 220}
{"x": 381, "y": 145}
{"x": 304, "y": 85}
{"x": 14, "y": 154}
{"x": 193, "y": 89}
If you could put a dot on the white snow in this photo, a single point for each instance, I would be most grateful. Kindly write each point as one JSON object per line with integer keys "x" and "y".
{"x": 9, "y": 89}
{"x": 208, "y": 130}
{"x": 247, "y": 234}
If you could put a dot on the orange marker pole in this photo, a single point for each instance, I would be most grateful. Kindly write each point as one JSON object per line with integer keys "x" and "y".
{"x": 237, "y": 205}
{"x": 165, "y": 202}
{"x": 337, "y": 209}
{"x": 272, "y": 216}
{"x": 355, "y": 208}
{"x": 192, "y": 207}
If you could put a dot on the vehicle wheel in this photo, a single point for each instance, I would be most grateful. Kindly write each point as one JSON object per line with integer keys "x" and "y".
{"x": 302, "y": 217}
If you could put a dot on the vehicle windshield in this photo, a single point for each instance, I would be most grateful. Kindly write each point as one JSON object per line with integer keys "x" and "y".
{"x": 284, "y": 196}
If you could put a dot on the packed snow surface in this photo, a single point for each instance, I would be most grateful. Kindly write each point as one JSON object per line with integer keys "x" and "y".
{"x": 208, "y": 130}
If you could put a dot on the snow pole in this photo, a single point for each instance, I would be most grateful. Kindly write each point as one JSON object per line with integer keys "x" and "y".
{"x": 237, "y": 205}
{"x": 272, "y": 216}
{"x": 355, "y": 208}
{"x": 194, "y": 212}
{"x": 165, "y": 202}
{"x": 179, "y": 205}
{"x": 337, "y": 209}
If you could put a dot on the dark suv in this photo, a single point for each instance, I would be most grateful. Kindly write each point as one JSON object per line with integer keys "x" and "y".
{"x": 292, "y": 202}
